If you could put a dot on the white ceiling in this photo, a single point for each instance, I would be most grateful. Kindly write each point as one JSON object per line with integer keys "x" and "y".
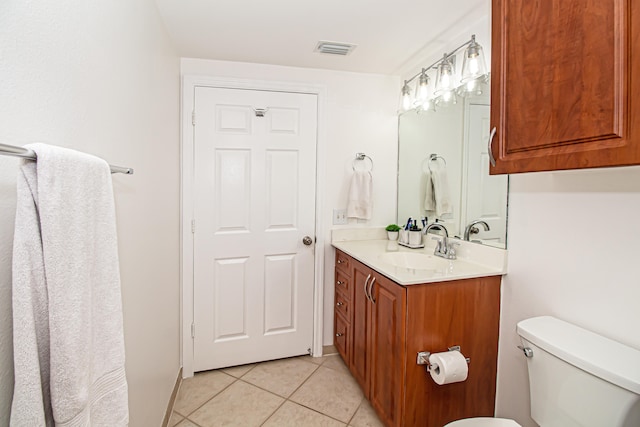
{"x": 388, "y": 34}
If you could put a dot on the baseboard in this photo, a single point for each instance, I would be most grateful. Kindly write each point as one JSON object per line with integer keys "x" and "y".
{"x": 172, "y": 399}
{"x": 329, "y": 349}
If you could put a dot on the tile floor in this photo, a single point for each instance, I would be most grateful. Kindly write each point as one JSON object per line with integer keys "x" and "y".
{"x": 297, "y": 392}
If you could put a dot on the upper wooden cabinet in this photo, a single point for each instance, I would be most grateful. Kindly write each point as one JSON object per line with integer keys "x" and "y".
{"x": 565, "y": 89}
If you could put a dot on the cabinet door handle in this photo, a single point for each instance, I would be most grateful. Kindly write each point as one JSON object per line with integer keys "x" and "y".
{"x": 341, "y": 261}
{"x": 339, "y": 282}
{"x": 491, "y": 135}
{"x": 370, "y": 289}
{"x": 366, "y": 283}
{"x": 339, "y": 334}
{"x": 339, "y": 304}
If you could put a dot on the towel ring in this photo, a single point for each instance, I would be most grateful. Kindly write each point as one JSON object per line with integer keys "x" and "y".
{"x": 361, "y": 156}
{"x": 434, "y": 158}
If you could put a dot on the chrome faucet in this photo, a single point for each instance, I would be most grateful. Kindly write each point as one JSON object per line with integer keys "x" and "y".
{"x": 472, "y": 229}
{"x": 443, "y": 248}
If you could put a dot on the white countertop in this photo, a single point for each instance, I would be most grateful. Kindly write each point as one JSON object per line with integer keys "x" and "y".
{"x": 473, "y": 260}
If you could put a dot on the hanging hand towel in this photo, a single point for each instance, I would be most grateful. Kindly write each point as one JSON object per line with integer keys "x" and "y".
{"x": 360, "y": 203}
{"x": 67, "y": 309}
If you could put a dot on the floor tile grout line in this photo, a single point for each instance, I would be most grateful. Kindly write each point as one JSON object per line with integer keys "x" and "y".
{"x": 356, "y": 411}
{"x": 208, "y": 400}
{"x": 274, "y": 412}
{"x": 324, "y": 358}
{"x": 315, "y": 410}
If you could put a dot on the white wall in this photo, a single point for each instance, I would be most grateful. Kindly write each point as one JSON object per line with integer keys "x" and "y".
{"x": 360, "y": 116}
{"x": 573, "y": 254}
{"x": 102, "y": 77}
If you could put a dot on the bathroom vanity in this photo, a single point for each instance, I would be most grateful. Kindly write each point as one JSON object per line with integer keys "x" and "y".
{"x": 419, "y": 304}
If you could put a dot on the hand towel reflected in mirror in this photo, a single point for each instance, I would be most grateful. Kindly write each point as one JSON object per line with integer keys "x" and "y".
{"x": 437, "y": 201}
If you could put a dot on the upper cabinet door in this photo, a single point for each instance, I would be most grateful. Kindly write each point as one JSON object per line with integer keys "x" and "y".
{"x": 565, "y": 84}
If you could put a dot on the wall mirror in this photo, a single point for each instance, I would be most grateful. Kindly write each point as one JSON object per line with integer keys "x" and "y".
{"x": 452, "y": 139}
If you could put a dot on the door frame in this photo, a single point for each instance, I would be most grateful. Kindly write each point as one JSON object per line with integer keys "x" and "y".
{"x": 187, "y": 199}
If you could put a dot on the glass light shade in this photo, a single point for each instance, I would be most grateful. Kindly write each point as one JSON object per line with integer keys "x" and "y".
{"x": 473, "y": 65}
{"x": 406, "y": 97}
{"x": 428, "y": 105}
{"x": 445, "y": 76}
{"x": 447, "y": 98}
{"x": 422, "y": 88}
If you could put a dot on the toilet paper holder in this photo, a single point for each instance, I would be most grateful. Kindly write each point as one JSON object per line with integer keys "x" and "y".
{"x": 423, "y": 358}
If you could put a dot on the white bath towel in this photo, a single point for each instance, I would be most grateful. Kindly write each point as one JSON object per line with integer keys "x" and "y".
{"x": 360, "y": 203}
{"x": 437, "y": 196}
{"x": 67, "y": 309}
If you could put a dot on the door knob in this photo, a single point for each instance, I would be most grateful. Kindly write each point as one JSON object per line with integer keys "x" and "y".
{"x": 307, "y": 240}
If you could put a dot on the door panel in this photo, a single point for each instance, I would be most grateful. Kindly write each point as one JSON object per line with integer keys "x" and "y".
{"x": 255, "y": 201}
{"x": 359, "y": 362}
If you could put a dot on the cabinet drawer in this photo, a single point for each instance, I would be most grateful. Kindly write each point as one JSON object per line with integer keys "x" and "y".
{"x": 343, "y": 306}
{"x": 343, "y": 283}
{"x": 343, "y": 262}
{"x": 341, "y": 336}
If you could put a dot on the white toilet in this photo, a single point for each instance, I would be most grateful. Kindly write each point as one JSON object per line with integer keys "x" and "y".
{"x": 576, "y": 378}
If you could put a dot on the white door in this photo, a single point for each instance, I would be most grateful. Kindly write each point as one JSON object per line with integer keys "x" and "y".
{"x": 255, "y": 180}
{"x": 486, "y": 194}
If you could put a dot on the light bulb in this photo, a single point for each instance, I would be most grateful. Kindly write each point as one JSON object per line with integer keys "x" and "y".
{"x": 473, "y": 65}
{"x": 446, "y": 81}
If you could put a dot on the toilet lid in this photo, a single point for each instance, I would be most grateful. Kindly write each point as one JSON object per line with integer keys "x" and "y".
{"x": 483, "y": 422}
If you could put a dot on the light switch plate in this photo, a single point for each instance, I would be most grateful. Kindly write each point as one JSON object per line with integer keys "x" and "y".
{"x": 340, "y": 217}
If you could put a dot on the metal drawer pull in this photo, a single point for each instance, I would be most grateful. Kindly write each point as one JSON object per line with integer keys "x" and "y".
{"x": 339, "y": 304}
{"x": 339, "y": 334}
{"x": 491, "y": 135}
{"x": 340, "y": 261}
{"x": 339, "y": 282}
{"x": 370, "y": 289}
{"x": 366, "y": 283}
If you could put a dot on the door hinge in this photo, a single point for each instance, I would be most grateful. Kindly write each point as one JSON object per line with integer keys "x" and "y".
{"x": 193, "y": 118}
{"x": 193, "y": 226}
{"x": 193, "y": 330}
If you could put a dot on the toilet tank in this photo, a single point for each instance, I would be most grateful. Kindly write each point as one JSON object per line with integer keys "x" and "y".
{"x": 578, "y": 378}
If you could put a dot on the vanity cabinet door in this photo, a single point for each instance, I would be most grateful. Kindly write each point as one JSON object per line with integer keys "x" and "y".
{"x": 359, "y": 365}
{"x": 387, "y": 349}
{"x": 562, "y": 92}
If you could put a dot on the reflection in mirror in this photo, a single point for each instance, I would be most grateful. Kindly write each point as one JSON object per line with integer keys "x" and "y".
{"x": 458, "y": 134}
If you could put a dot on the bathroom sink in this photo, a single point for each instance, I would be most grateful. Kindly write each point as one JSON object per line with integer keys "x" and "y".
{"x": 416, "y": 261}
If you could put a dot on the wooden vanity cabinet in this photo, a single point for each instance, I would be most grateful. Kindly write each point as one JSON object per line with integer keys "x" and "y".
{"x": 396, "y": 322}
{"x": 564, "y": 92}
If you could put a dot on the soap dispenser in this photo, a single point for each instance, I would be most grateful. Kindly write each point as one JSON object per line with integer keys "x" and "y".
{"x": 415, "y": 235}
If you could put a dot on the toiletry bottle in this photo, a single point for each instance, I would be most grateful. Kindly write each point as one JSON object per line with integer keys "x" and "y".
{"x": 415, "y": 235}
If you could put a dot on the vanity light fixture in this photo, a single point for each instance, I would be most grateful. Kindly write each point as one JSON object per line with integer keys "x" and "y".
{"x": 447, "y": 82}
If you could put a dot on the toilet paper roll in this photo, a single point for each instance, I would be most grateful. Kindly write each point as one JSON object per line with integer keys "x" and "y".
{"x": 448, "y": 367}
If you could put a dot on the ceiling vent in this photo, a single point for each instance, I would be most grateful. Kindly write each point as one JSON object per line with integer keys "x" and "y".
{"x": 334, "y": 48}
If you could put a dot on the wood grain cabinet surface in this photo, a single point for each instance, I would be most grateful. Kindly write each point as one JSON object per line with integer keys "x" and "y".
{"x": 564, "y": 86}
{"x": 389, "y": 324}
